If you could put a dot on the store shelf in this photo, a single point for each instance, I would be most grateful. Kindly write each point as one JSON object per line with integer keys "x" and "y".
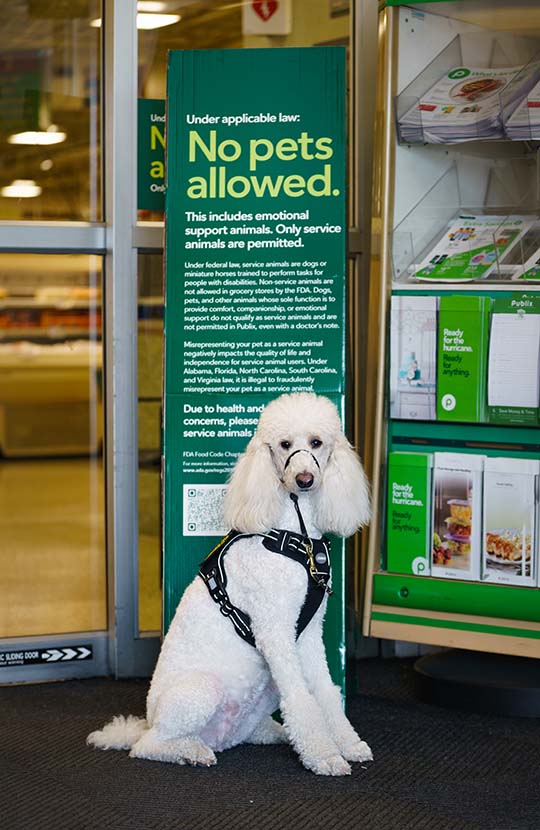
{"x": 496, "y": 201}
{"x": 48, "y": 335}
{"x": 469, "y": 90}
{"x": 489, "y": 439}
{"x": 423, "y": 593}
{"x": 482, "y": 617}
{"x": 421, "y": 188}
{"x": 486, "y": 287}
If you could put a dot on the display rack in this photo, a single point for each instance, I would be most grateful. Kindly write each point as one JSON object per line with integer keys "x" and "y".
{"x": 420, "y": 187}
{"x": 508, "y": 191}
{"x": 479, "y": 78}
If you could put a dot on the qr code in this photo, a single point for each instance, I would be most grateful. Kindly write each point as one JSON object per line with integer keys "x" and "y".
{"x": 203, "y": 510}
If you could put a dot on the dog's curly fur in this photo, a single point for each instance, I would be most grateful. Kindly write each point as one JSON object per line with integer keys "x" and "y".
{"x": 211, "y": 690}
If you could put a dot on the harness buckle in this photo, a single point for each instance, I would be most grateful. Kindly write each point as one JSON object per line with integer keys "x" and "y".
{"x": 313, "y": 570}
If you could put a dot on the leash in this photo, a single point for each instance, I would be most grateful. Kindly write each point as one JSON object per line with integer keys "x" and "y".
{"x": 308, "y": 544}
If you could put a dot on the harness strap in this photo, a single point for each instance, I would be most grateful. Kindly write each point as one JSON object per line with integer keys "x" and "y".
{"x": 213, "y": 573}
{"x": 286, "y": 543}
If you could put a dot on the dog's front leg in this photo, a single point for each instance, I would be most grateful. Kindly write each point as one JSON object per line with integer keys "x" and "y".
{"x": 319, "y": 681}
{"x": 304, "y": 721}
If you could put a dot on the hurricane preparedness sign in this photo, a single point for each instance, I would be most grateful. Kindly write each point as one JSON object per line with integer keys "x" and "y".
{"x": 255, "y": 273}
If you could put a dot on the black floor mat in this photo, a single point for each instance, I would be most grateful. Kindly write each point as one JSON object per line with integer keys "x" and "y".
{"x": 434, "y": 769}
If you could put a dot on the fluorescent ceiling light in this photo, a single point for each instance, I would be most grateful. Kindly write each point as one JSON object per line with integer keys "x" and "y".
{"x": 156, "y": 21}
{"x": 21, "y": 189}
{"x": 52, "y": 135}
{"x": 147, "y": 21}
{"x": 151, "y": 6}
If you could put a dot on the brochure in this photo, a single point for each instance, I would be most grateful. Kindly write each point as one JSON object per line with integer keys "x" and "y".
{"x": 465, "y": 105}
{"x": 409, "y": 513}
{"x": 524, "y": 123}
{"x": 513, "y": 388}
{"x": 530, "y": 269}
{"x": 462, "y": 357}
{"x": 471, "y": 246}
{"x": 413, "y": 363}
{"x": 509, "y": 550}
{"x": 457, "y": 515}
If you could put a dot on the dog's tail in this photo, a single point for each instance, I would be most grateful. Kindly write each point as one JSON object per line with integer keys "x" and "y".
{"x": 120, "y": 733}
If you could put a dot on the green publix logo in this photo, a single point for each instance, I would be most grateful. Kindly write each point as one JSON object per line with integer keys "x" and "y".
{"x": 521, "y": 303}
{"x": 219, "y": 184}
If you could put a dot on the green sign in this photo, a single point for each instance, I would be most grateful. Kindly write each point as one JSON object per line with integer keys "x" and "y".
{"x": 21, "y": 89}
{"x": 151, "y": 154}
{"x": 255, "y": 274}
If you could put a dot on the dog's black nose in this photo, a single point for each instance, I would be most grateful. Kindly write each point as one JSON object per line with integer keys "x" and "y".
{"x": 304, "y": 480}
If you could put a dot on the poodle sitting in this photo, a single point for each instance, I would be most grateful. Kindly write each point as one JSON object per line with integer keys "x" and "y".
{"x": 213, "y": 689}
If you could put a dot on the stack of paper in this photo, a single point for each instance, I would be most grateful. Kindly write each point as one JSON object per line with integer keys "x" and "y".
{"x": 457, "y": 515}
{"x": 530, "y": 269}
{"x": 464, "y": 105}
{"x": 471, "y": 246}
{"x": 514, "y": 360}
{"x": 525, "y": 122}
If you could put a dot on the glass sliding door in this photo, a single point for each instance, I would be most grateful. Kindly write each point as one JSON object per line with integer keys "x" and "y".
{"x": 53, "y": 586}
{"x": 51, "y": 436}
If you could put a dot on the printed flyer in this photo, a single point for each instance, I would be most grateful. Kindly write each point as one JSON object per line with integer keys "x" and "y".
{"x": 462, "y": 357}
{"x": 524, "y": 123}
{"x": 465, "y": 105}
{"x": 255, "y": 274}
{"x": 509, "y": 552}
{"x": 457, "y": 515}
{"x": 471, "y": 247}
{"x": 409, "y": 513}
{"x": 513, "y": 387}
{"x": 413, "y": 357}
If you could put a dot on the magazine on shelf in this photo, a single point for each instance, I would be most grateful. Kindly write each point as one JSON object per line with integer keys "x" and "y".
{"x": 471, "y": 247}
{"x": 413, "y": 358}
{"x": 457, "y": 515}
{"x": 509, "y": 548}
{"x": 513, "y": 387}
{"x": 465, "y": 105}
{"x": 408, "y": 537}
{"x": 524, "y": 123}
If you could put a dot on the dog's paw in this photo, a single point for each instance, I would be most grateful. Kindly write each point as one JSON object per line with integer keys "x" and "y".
{"x": 335, "y": 765}
{"x": 200, "y": 756}
{"x": 359, "y": 751}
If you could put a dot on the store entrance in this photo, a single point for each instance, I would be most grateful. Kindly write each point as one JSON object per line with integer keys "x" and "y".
{"x": 52, "y": 555}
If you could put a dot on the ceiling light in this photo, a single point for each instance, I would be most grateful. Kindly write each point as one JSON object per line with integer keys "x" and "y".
{"x": 52, "y": 135}
{"x": 147, "y": 21}
{"x": 156, "y": 21}
{"x": 21, "y": 189}
{"x": 151, "y": 6}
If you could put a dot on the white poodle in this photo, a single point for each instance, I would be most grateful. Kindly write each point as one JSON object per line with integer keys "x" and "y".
{"x": 212, "y": 688}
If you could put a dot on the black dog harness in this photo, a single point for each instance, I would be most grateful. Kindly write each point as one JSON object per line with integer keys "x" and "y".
{"x": 312, "y": 554}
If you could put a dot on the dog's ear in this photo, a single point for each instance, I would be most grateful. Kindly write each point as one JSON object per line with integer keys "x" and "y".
{"x": 252, "y": 500}
{"x": 343, "y": 498}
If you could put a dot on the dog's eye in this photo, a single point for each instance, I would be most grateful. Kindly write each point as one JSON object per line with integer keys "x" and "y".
{"x": 286, "y": 445}
{"x": 316, "y": 443}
